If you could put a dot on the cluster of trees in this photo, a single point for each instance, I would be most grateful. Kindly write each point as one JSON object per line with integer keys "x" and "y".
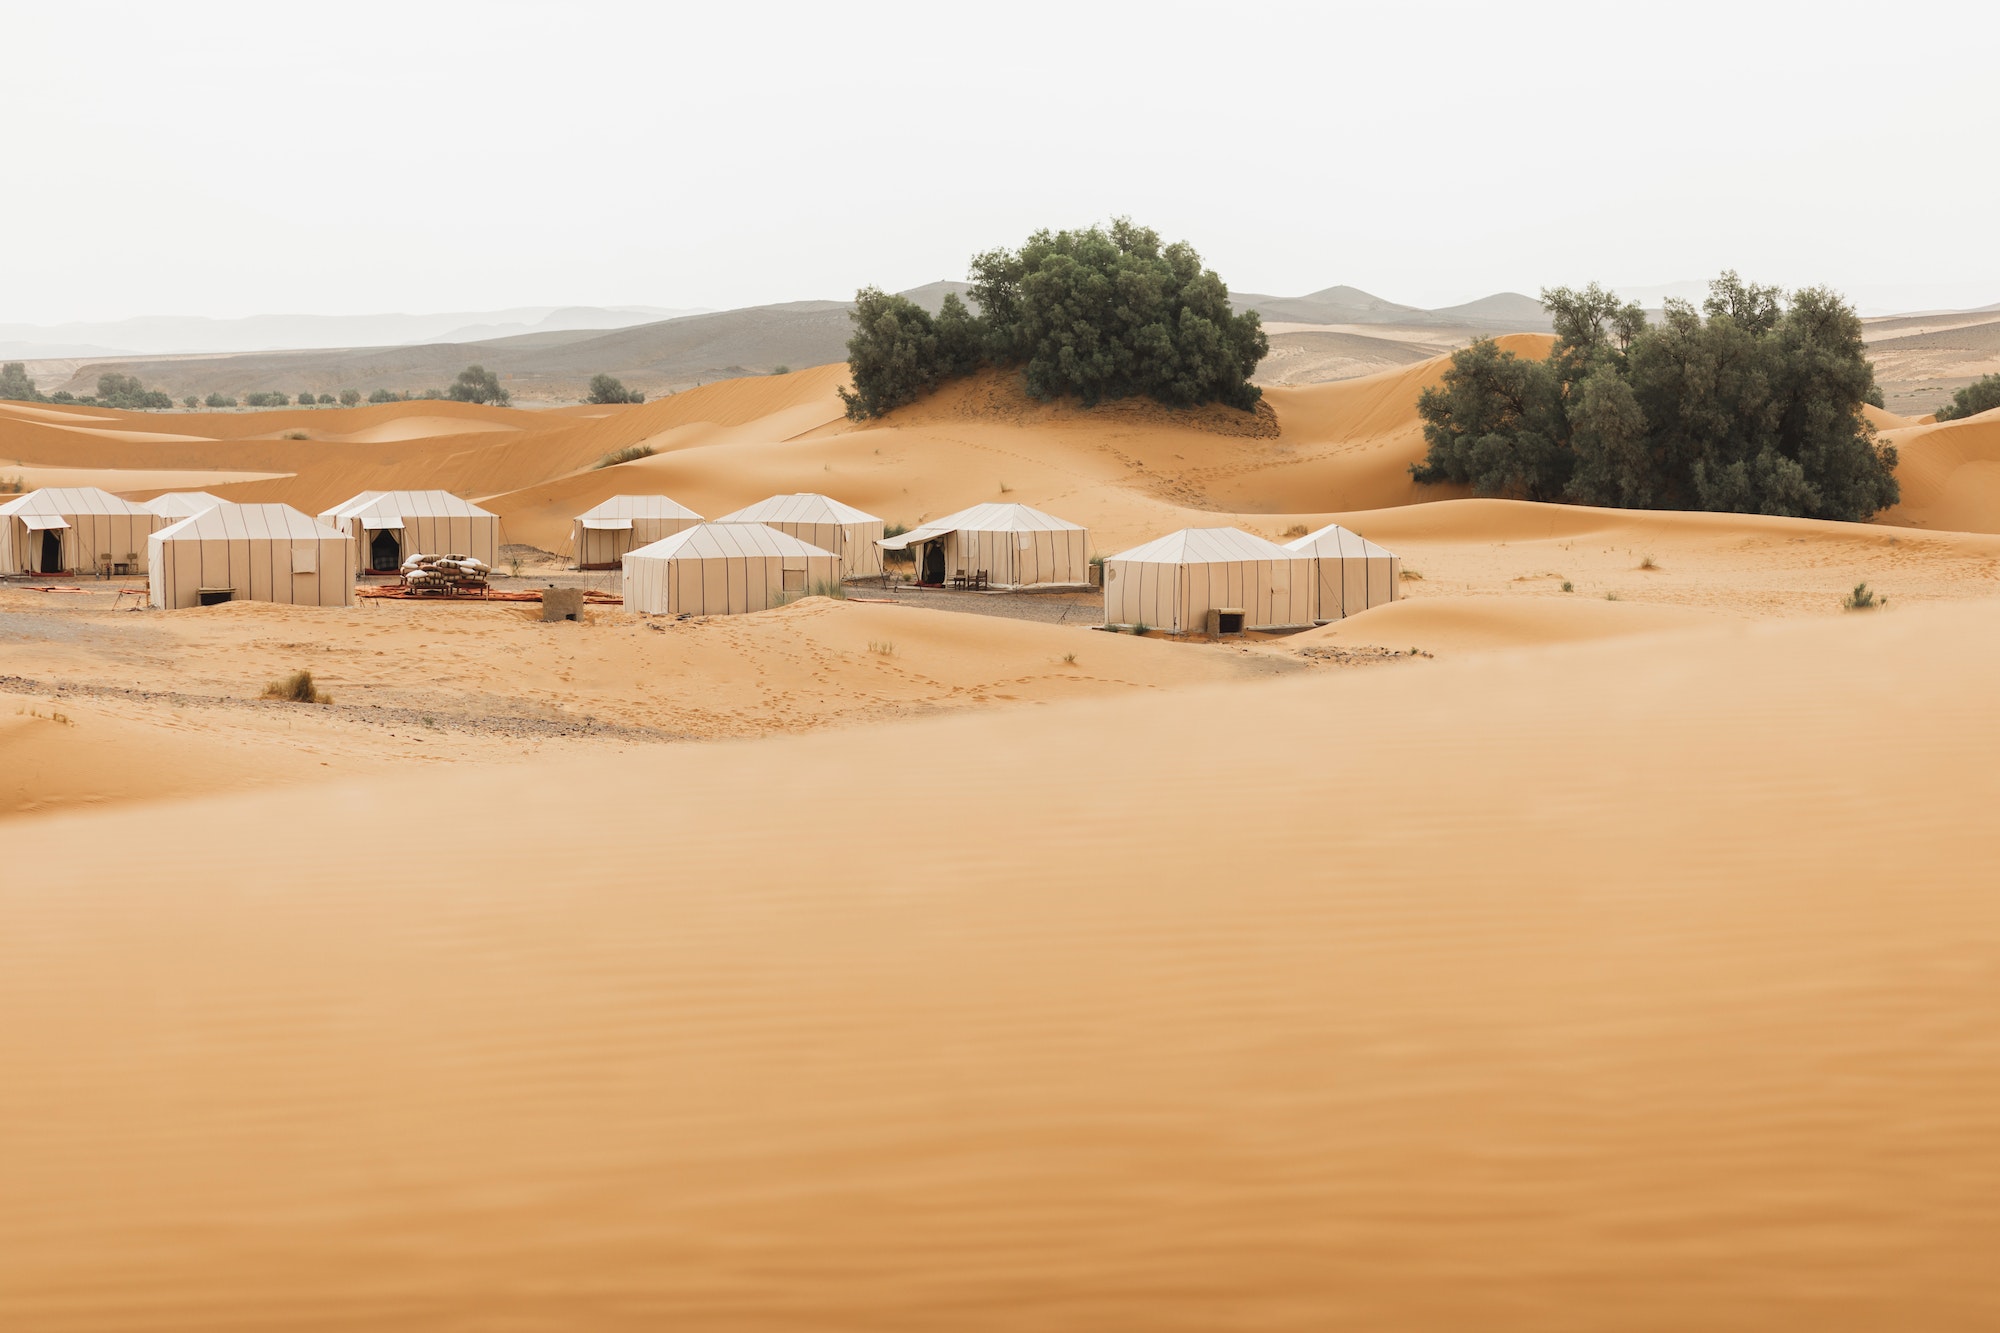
{"x": 1751, "y": 404}
{"x": 475, "y": 384}
{"x": 1982, "y": 395}
{"x": 1096, "y": 314}
{"x": 608, "y": 389}
{"x": 113, "y": 390}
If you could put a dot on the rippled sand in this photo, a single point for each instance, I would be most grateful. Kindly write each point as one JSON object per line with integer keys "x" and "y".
{"x": 1641, "y": 984}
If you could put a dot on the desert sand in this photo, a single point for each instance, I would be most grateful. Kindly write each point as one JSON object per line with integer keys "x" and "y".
{"x": 1511, "y": 956}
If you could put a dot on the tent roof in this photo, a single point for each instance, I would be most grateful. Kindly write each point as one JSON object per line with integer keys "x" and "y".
{"x": 72, "y": 500}
{"x": 640, "y": 506}
{"x": 722, "y": 541}
{"x": 179, "y": 504}
{"x": 803, "y": 508}
{"x": 228, "y": 522}
{"x": 1334, "y": 541}
{"x": 983, "y": 518}
{"x": 1198, "y": 546}
{"x": 432, "y": 503}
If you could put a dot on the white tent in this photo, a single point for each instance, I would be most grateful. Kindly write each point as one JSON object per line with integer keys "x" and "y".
{"x": 389, "y": 527}
{"x": 63, "y": 528}
{"x": 1173, "y": 583}
{"x": 599, "y": 536}
{"x": 176, "y": 505}
{"x": 1013, "y": 545}
{"x": 824, "y": 522}
{"x": 1351, "y": 574}
{"x": 250, "y": 553}
{"x": 720, "y": 569}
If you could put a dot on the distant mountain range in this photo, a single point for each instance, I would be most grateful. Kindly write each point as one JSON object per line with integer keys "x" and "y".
{"x": 170, "y": 335}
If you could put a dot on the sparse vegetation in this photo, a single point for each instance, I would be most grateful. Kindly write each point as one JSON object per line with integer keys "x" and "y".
{"x": 296, "y": 435}
{"x": 16, "y": 386}
{"x": 262, "y": 399}
{"x": 781, "y": 370}
{"x": 1069, "y": 659}
{"x": 350, "y": 397}
{"x": 307, "y": 400}
{"x": 1612, "y": 597}
{"x": 1142, "y": 629}
{"x": 1411, "y": 576}
{"x": 297, "y": 688}
{"x": 606, "y": 389}
{"x": 882, "y": 647}
{"x": 384, "y": 396}
{"x": 1982, "y": 395}
{"x": 1295, "y": 531}
{"x": 626, "y": 455}
{"x": 1754, "y": 409}
{"x": 833, "y": 588}
{"x": 894, "y": 530}
{"x": 1094, "y": 314}
{"x": 1648, "y": 563}
{"x": 1568, "y": 586}
{"x": 128, "y": 394}
{"x": 190, "y": 402}
{"x": 219, "y": 400}
{"x": 326, "y": 400}
{"x": 1863, "y": 598}
{"x": 477, "y": 384}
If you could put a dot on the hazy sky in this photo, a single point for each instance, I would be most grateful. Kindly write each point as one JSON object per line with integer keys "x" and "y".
{"x": 231, "y": 159}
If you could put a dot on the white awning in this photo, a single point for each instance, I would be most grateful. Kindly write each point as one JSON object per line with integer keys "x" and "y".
{"x": 373, "y": 522}
{"x": 607, "y": 524}
{"x": 907, "y": 539}
{"x": 44, "y": 522}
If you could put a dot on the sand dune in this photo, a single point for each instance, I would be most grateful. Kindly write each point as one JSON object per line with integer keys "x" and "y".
{"x": 1587, "y": 987}
{"x": 1472, "y": 624}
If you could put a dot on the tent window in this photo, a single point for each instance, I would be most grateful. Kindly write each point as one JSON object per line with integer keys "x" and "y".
{"x": 794, "y": 580}
{"x": 305, "y": 560}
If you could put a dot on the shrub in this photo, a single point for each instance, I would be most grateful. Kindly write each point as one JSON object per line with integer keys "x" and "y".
{"x": 127, "y": 393}
{"x": 307, "y": 400}
{"x": 190, "y": 402}
{"x": 295, "y": 435}
{"x": 350, "y": 397}
{"x": 1568, "y": 586}
{"x": 296, "y": 688}
{"x": 477, "y": 384}
{"x": 626, "y": 455}
{"x": 781, "y": 370}
{"x": 384, "y": 396}
{"x": 219, "y": 400}
{"x": 1095, "y": 314}
{"x": 15, "y": 384}
{"x": 262, "y": 399}
{"x": 62, "y": 396}
{"x": 1861, "y": 599}
{"x": 607, "y": 389}
{"x": 1982, "y": 395}
{"x": 325, "y": 400}
{"x": 894, "y": 529}
{"x": 1754, "y": 409}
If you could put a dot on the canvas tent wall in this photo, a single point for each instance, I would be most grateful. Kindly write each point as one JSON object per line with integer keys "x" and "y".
{"x": 600, "y": 537}
{"x": 1014, "y": 545}
{"x": 1174, "y": 582}
{"x": 388, "y": 527}
{"x": 1350, "y": 572}
{"x": 177, "y": 505}
{"x": 821, "y": 521}
{"x": 720, "y": 569}
{"x": 60, "y": 529}
{"x": 259, "y": 553}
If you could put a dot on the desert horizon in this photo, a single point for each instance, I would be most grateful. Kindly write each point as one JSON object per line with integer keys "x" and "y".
{"x": 923, "y": 749}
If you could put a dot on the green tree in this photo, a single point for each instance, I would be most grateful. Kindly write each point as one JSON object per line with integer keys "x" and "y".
{"x": 476, "y": 384}
{"x": 350, "y": 397}
{"x": 219, "y": 400}
{"x": 608, "y": 389}
{"x": 893, "y": 355}
{"x": 1755, "y": 408}
{"x": 307, "y": 400}
{"x": 1982, "y": 395}
{"x": 15, "y": 384}
{"x": 384, "y": 396}
{"x": 1112, "y": 314}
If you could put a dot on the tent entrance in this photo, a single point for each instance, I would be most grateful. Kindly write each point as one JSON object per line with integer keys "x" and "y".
{"x": 52, "y": 561}
{"x": 933, "y": 563}
{"x": 385, "y": 552}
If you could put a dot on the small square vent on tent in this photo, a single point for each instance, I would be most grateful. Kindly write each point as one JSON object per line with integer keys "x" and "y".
{"x": 305, "y": 560}
{"x": 795, "y": 580}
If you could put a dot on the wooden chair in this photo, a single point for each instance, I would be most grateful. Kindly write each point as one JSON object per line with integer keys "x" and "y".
{"x": 979, "y": 580}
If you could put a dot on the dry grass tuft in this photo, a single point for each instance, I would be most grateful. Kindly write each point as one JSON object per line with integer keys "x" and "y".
{"x": 297, "y": 688}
